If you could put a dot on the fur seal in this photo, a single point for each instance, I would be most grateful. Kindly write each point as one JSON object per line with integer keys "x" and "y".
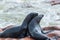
{"x": 35, "y": 29}
{"x": 18, "y": 31}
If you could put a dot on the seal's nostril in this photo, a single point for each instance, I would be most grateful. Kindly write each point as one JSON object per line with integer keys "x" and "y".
{"x": 41, "y": 15}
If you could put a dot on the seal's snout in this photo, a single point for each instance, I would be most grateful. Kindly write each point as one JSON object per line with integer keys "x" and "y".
{"x": 41, "y": 15}
{"x": 38, "y": 18}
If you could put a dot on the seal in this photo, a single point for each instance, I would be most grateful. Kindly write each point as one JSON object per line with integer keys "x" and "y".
{"x": 35, "y": 29}
{"x": 18, "y": 31}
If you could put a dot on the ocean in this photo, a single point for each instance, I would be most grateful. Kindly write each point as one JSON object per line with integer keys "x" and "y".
{"x": 13, "y": 12}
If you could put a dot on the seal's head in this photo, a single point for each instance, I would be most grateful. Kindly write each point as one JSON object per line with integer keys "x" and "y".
{"x": 38, "y": 18}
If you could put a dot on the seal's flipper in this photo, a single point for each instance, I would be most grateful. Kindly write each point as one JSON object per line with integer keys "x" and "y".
{"x": 35, "y": 30}
{"x": 17, "y": 31}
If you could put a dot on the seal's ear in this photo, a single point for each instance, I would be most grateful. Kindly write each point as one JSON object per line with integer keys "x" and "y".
{"x": 35, "y": 30}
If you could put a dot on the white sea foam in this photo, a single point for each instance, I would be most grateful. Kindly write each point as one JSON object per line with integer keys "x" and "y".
{"x": 14, "y": 11}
